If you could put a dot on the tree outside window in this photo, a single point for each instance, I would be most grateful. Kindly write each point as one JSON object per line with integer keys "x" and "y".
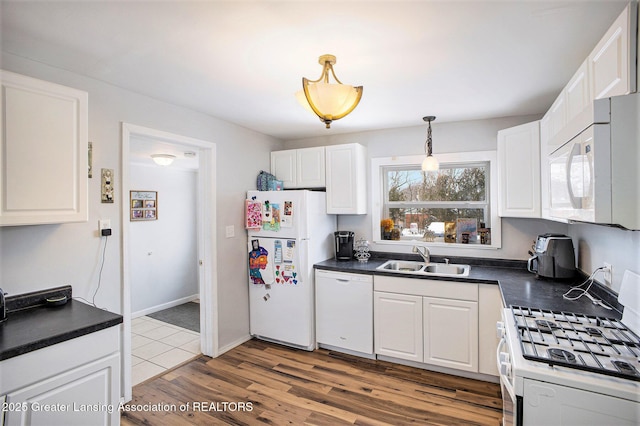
{"x": 424, "y": 204}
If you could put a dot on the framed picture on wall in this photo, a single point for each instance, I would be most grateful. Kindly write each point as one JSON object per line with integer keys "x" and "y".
{"x": 143, "y": 205}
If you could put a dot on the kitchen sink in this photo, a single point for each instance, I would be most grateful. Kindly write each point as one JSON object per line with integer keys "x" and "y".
{"x": 421, "y": 268}
{"x": 402, "y": 266}
{"x": 447, "y": 269}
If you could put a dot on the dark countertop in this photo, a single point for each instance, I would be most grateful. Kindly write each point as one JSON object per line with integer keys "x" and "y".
{"x": 37, "y": 327}
{"x": 517, "y": 285}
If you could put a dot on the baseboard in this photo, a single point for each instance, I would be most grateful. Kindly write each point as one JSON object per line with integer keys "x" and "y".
{"x": 233, "y": 344}
{"x": 164, "y": 306}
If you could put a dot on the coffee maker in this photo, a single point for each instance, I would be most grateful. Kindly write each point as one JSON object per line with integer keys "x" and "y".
{"x": 344, "y": 244}
{"x": 553, "y": 257}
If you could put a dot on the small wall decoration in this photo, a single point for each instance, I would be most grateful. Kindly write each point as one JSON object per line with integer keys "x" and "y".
{"x": 90, "y": 160}
{"x": 144, "y": 205}
{"x": 107, "y": 186}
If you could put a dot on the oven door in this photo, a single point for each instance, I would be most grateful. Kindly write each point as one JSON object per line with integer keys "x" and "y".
{"x": 511, "y": 404}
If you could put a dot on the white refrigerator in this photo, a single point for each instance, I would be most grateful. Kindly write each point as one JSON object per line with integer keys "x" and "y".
{"x": 288, "y": 231}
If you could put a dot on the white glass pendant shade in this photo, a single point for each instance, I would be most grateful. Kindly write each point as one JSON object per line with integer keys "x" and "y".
{"x": 332, "y": 101}
{"x": 302, "y": 100}
{"x": 329, "y": 101}
{"x": 430, "y": 164}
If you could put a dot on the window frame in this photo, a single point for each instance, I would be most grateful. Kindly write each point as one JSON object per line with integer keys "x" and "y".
{"x": 379, "y": 165}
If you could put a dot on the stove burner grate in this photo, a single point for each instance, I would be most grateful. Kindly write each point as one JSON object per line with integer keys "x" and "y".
{"x": 546, "y": 325}
{"x": 625, "y": 367}
{"x": 558, "y": 354}
{"x": 591, "y": 331}
{"x": 578, "y": 341}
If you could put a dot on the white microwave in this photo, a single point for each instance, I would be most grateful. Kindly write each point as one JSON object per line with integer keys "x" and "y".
{"x": 594, "y": 177}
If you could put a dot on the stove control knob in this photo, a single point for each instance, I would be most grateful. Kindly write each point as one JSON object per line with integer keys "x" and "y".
{"x": 505, "y": 364}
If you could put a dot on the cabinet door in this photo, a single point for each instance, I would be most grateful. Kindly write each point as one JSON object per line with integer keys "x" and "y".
{"x": 310, "y": 168}
{"x": 579, "y": 98}
{"x": 283, "y": 166}
{"x": 346, "y": 179}
{"x": 451, "y": 333}
{"x": 398, "y": 326}
{"x": 609, "y": 62}
{"x": 489, "y": 313}
{"x": 83, "y": 396}
{"x": 519, "y": 171}
{"x": 344, "y": 311}
{"x": 557, "y": 116}
{"x": 43, "y": 152}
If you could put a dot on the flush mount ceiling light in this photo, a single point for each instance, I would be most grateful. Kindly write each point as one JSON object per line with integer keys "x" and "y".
{"x": 163, "y": 159}
{"x": 329, "y": 101}
{"x": 430, "y": 163}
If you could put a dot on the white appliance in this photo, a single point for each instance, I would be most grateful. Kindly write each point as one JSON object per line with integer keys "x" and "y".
{"x": 595, "y": 176}
{"x": 345, "y": 311}
{"x": 294, "y": 233}
{"x": 561, "y": 368}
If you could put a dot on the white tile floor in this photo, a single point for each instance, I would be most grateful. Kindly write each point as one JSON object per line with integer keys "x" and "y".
{"x": 157, "y": 346}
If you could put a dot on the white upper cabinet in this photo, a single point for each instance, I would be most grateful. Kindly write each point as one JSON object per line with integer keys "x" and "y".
{"x": 299, "y": 168}
{"x": 43, "y": 155}
{"x": 346, "y": 179}
{"x": 610, "y": 62}
{"x": 283, "y": 166}
{"x": 519, "y": 171}
{"x": 610, "y": 70}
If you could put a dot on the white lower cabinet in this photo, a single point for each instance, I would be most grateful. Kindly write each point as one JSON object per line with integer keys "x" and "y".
{"x": 440, "y": 323}
{"x": 398, "y": 325}
{"x": 489, "y": 313}
{"x": 71, "y": 383}
{"x": 450, "y": 333}
{"x": 344, "y": 311}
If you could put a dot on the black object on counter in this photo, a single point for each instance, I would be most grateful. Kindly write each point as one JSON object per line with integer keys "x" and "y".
{"x": 344, "y": 244}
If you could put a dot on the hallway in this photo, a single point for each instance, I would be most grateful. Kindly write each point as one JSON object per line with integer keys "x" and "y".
{"x": 158, "y": 346}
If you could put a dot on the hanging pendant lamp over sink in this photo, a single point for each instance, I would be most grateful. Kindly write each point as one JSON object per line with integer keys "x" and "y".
{"x": 430, "y": 163}
{"x": 329, "y": 101}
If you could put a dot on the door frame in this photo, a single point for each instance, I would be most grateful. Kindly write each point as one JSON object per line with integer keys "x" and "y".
{"x": 206, "y": 241}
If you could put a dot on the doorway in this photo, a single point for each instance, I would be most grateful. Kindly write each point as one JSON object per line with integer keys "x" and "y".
{"x": 205, "y": 235}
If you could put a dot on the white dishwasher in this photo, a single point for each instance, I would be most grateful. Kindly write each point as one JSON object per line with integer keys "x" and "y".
{"x": 344, "y": 311}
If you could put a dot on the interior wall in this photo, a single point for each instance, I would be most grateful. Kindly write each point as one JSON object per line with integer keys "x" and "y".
{"x": 43, "y": 256}
{"x": 597, "y": 244}
{"x": 594, "y": 244}
{"x": 464, "y": 136}
{"x": 163, "y": 258}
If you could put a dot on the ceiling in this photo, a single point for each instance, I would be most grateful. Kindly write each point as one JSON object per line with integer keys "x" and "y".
{"x": 242, "y": 61}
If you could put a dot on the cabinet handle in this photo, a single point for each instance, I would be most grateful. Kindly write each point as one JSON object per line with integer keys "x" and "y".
{"x": 342, "y": 280}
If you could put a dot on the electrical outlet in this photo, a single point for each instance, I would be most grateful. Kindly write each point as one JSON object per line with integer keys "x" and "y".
{"x": 104, "y": 224}
{"x": 607, "y": 274}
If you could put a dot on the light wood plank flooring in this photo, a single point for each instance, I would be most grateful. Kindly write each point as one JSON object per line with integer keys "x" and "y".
{"x": 288, "y": 386}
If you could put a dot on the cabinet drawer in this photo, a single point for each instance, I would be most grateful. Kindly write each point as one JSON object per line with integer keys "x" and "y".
{"x": 425, "y": 287}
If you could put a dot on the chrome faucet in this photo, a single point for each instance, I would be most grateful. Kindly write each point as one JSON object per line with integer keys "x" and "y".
{"x": 424, "y": 252}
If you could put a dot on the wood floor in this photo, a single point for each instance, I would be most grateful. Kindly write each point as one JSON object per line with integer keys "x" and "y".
{"x": 259, "y": 382}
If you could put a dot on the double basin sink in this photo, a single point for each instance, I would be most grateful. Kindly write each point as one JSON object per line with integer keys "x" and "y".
{"x": 421, "y": 268}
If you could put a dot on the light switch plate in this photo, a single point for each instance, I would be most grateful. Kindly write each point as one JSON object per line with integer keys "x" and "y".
{"x": 230, "y": 231}
{"x": 106, "y": 188}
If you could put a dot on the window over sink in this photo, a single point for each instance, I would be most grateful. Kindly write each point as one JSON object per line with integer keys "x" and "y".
{"x": 454, "y": 206}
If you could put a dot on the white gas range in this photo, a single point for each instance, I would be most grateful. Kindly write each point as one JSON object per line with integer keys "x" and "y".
{"x": 563, "y": 368}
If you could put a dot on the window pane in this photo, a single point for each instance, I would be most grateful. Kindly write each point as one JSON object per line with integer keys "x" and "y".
{"x": 454, "y": 183}
{"x": 414, "y": 222}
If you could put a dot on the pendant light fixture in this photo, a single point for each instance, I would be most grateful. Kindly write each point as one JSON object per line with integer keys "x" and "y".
{"x": 329, "y": 101}
{"x": 430, "y": 163}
